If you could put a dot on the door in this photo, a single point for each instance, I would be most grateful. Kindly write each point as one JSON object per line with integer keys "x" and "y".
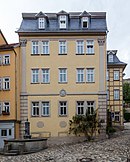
{"x": 6, "y": 132}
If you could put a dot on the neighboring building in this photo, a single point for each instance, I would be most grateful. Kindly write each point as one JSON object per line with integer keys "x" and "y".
{"x": 63, "y": 70}
{"x": 115, "y": 70}
{"x": 9, "y": 90}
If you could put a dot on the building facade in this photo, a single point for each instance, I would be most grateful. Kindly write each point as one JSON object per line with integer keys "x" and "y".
{"x": 115, "y": 70}
{"x": 9, "y": 91}
{"x": 63, "y": 69}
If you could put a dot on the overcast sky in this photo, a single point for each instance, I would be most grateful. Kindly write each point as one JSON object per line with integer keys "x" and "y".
{"x": 118, "y": 19}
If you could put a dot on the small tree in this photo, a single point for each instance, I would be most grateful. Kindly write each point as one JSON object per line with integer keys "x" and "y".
{"x": 86, "y": 124}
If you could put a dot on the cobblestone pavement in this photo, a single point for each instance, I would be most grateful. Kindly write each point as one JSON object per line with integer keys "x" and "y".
{"x": 110, "y": 150}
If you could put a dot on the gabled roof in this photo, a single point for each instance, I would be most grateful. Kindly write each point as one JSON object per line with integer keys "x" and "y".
{"x": 85, "y": 14}
{"x": 116, "y": 61}
{"x": 62, "y": 12}
{"x": 41, "y": 14}
{"x": 9, "y": 46}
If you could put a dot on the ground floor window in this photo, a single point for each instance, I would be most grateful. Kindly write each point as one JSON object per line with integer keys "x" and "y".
{"x": 62, "y": 108}
{"x": 83, "y": 106}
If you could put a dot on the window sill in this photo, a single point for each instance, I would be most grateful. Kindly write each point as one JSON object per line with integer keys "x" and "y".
{"x": 116, "y": 80}
{"x": 90, "y": 82}
{"x": 37, "y": 54}
{"x": 45, "y": 115}
{"x": 35, "y": 83}
{"x": 80, "y": 54}
{"x": 80, "y": 82}
{"x": 35, "y": 116}
{"x": 62, "y": 82}
{"x": 62, "y": 115}
{"x": 6, "y": 64}
{"x": 90, "y": 53}
{"x": 5, "y": 113}
{"x": 45, "y": 54}
{"x": 62, "y": 54}
{"x": 45, "y": 83}
{"x": 6, "y": 89}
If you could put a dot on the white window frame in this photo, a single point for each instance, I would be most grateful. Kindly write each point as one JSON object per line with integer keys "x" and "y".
{"x": 110, "y": 58}
{"x": 6, "y": 107}
{"x": 45, "y": 47}
{"x": 84, "y": 20}
{"x": 116, "y": 114}
{"x": 79, "y": 47}
{"x": 80, "y": 75}
{"x": 90, "y": 75}
{"x": 63, "y": 108}
{"x": 116, "y": 94}
{"x": 116, "y": 74}
{"x": 45, "y": 108}
{"x": 35, "y": 47}
{"x": 1, "y": 84}
{"x": 90, "y": 47}
{"x": 1, "y": 60}
{"x": 90, "y": 107}
{"x": 62, "y": 47}
{"x": 62, "y": 21}
{"x": 6, "y": 59}
{"x": 37, "y": 107}
{"x": 80, "y": 107}
{"x": 34, "y": 75}
{"x": 45, "y": 75}
{"x": 6, "y": 83}
{"x": 62, "y": 75}
{"x": 107, "y": 75}
{"x": 41, "y": 23}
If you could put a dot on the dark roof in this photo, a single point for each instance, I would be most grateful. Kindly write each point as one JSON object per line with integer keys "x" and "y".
{"x": 116, "y": 61}
{"x": 97, "y": 22}
{"x": 8, "y": 46}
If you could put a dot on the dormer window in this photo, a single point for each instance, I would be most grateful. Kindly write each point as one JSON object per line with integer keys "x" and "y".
{"x": 62, "y": 22}
{"x": 41, "y": 23}
{"x": 110, "y": 58}
{"x": 85, "y": 22}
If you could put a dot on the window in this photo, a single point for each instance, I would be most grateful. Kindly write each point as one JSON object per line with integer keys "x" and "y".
{"x": 108, "y": 94}
{"x": 41, "y": 22}
{"x": 1, "y": 60}
{"x": 62, "y": 47}
{"x": 63, "y": 75}
{"x": 1, "y": 84}
{"x": 85, "y": 22}
{"x": 0, "y": 108}
{"x": 35, "y": 75}
{"x": 10, "y": 132}
{"x": 116, "y": 94}
{"x": 110, "y": 58}
{"x": 116, "y": 75}
{"x": 80, "y": 47}
{"x": 80, "y": 75}
{"x": 6, "y": 107}
{"x": 117, "y": 116}
{"x": 35, "y": 108}
{"x": 6, "y": 83}
{"x": 63, "y": 108}
{"x": 90, "y": 107}
{"x": 3, "y": 132}
{"x": 35, "y": 47}
{"x": 90, "y": 47}
{"x": 63, "y": 22}
{"x": 45, "y": 109}
{"x": 90, "y": 75}
{"x": 80, "y": 107}
{"x": 45, "y": 76}
{"x": 6, "y": 59}
{"x": 45, "y": 49}
{"x": 107, "y": 75}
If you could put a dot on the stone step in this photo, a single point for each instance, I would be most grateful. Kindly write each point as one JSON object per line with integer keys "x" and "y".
{"x": 10, "y": 153}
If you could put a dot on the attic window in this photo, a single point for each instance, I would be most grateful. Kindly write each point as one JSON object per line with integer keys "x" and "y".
{"x": 62, "y": 22}
{"x": 41, "y": 23}
{"x": 85, "y": 22}
{"x": 110, "y": 58}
